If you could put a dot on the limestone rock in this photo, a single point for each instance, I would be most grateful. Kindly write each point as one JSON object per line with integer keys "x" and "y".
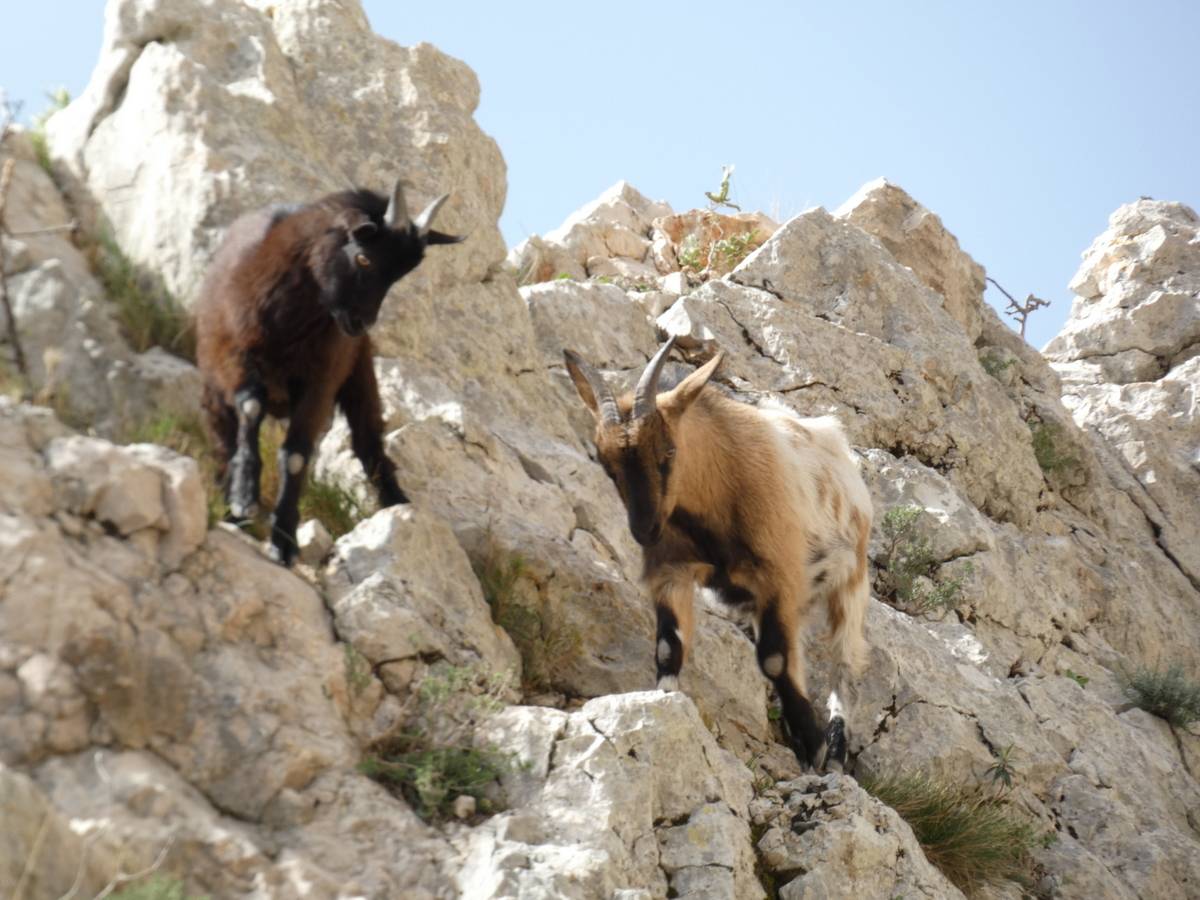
{"x": 1126, "y": 356}
{"x": 401, "y": 587}
{"x": 842, "y": 842}
{"x": 917, "y": 238}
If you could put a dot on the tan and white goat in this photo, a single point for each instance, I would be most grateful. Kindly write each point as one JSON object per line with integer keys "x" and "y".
{"x": 764, "y": 507}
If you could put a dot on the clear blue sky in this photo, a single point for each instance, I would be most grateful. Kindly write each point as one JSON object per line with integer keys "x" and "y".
{"x": 1022, "y": 124}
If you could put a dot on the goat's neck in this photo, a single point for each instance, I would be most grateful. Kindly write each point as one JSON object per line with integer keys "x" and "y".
{"x": 707, "y": 463}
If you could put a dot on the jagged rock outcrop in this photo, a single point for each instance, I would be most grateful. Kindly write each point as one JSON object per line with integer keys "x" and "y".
{"x": 1128, "y": 360}
{"x": 77, "y": 358}
{"x": 166, "y": 680}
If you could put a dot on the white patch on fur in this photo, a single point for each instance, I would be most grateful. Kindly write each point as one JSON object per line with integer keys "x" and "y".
{"x": 295, "y": 463}
{"x": 664, "y": 651}
{"x": 251, "y": 408}
{"x": 773, "y": 665}
{"x": 836, "y": 710}
{"x": 668, "y": 683}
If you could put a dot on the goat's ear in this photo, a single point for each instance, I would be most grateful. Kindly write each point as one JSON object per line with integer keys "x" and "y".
{"x": 582, "y": 385}
{"x": 685, "y": 393}
{"x": 440, "y": 237}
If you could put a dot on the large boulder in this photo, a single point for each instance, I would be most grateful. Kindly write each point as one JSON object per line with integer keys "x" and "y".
{"x": 1128, "y": 360}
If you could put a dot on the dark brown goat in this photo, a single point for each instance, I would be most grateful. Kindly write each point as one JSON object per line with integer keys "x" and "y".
{"x": 281, "y": 330}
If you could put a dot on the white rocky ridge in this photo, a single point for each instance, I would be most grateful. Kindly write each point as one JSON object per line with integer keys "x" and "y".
{"x": 165, "y": 689}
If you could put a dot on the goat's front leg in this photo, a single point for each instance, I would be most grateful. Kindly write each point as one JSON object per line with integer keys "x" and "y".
{"x": 673, "y": 590}
{"x": 780, "y": 660}
{"x": 311, "y": 407}
{"x": 245, "y": 468}
{"x": 359, "y": 402}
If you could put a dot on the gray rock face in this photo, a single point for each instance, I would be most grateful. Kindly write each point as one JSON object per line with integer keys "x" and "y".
{"x": 1127, "y": 357}
{"x": 842, "y": 842}
{"x": 78, "y": 359}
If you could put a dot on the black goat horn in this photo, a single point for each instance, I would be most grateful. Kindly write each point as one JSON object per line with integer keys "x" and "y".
{"x": 396, "y": 216}
{"x": 425, "y": 219}
{"x": 645, "y": 398}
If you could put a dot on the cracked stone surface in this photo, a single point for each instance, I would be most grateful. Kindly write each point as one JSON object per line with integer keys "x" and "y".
{"x": 1128, "y": 357}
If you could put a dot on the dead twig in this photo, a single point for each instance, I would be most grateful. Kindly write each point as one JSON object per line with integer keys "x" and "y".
{"x": 1020, "y": 311}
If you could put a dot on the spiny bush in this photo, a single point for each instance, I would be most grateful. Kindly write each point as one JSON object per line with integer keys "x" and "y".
{"x": 545, "y": 645}
{"x": 1167, "y": 693}
{"x": 908, "y": 557}
{"x": 973, "y": 838}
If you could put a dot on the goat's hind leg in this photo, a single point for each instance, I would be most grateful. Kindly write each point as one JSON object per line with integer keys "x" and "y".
{"x": 847, "y": 609}
{"x": 311, "y": 407}
{"x": 245, "y": 468}
{"x": 780, "y": 660}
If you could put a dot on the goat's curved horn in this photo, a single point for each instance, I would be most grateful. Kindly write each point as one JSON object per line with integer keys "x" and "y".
{"x": 606, "y": 403}
{"x": 645, "y": 398}
{"x": 425, "y": 219}
{"x": 396, "y": 216}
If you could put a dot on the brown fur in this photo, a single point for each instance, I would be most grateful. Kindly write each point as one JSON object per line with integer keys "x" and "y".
{"x": 718, "y": 494}
{"x": 281, "y": 328}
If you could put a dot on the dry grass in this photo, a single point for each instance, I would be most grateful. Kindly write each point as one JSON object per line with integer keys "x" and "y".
{"x": 974, "y": 838}
{"x": 1167, "y": 693}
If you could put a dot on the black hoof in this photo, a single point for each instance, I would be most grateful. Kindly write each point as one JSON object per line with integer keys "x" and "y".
{"x": 282, "y": 549}
{"x": 835, "y": 745}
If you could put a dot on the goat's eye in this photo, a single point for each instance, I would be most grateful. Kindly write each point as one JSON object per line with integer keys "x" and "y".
{"x": 670, "y": 453}
{"x": 363, "y": 261}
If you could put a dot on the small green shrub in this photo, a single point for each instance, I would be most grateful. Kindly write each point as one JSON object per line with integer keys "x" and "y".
{"x": 1001, "y": 771}
{"x": 436, "y": 762}
{"x": 544, "y": 644}
{"x": 156, "y": 887}
{"x": 564, "y": 276}
{"x": 1167, "y": 693}
{"x": 909, "y": 557}
{"x": 431, "y": 778}
{"x": 148, "y": 314}
{"x": 995, "y": 364}
{"x": 1047, "y": 449}
{"x": 733, "y": 249}
{"x": 973, "y": 838}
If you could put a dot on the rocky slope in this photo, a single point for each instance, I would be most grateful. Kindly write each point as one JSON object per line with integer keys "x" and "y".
{"x": 172, "y": 700}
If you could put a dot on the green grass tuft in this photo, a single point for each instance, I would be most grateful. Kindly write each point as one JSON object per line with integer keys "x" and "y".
{"x": 1167, "y": 693}
{"x": 149, "y": 315}
{"x": 973, "y": 838}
